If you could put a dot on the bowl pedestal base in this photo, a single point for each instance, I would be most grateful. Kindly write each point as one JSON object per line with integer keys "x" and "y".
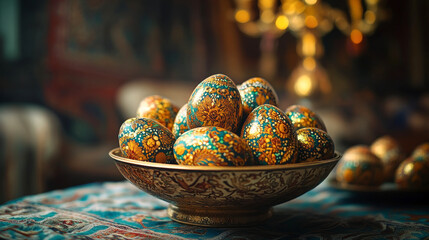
{"x": 221, "y": 217}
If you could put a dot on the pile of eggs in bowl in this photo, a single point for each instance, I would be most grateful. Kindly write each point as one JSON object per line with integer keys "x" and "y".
{"x": 225, "y": 125}
{"x": 382, "y": 162}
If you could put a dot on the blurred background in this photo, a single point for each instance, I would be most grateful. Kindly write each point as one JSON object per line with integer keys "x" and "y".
{"x": 71, "y": 71}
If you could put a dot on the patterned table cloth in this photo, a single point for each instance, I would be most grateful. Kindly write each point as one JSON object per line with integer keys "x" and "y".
{"x": 118, "y": 210}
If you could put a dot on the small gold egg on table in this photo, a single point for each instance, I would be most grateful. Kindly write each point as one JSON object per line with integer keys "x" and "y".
{"x": 314, "y": 144}
{"x": 216, "y": 102}
{"x": 388, "y": 150}
{"x": 413, "y": 173}
{"x": 302, "y": 117}
{"x": 359, "y": 166}
{"x": 211, "y": 146}
{"x": 421, "y": 150}
{"x": 180, "y": 122}
{"x": 270, "y": 136}
{"x": 158, "y": 108}
{"x": 147, "y": 140}
{"x": 255, "y": 92}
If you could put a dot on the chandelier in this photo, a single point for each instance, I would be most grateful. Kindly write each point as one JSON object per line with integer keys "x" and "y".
{"x": 308, "y": 21}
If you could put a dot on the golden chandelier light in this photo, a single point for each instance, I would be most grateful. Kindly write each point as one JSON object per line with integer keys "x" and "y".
{"x": 308, "y": 20}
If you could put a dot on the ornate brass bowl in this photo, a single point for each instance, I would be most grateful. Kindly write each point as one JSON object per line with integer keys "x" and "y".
{"x": 223, "y": 196}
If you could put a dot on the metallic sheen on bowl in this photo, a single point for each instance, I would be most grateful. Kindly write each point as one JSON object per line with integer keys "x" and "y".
{"x": 223, "y": 196}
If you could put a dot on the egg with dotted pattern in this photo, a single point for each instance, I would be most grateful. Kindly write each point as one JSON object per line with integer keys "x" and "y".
{"x": 302, "y": 117}
{"x": 270, "y": 136}
{"x": 359, "y": 166}
{"x": 211, "y": 146}
{"x": 388, "y": 150}
{"x": 180, "y": 122}
{"x": 314, "y": 144}
{"x": 421, "y": 150}
{"x": 215, "y": 102}
{"x": 255, "y": 92}
{"x": 413, "y": 173}
{"x": 158, "y": 108}
{"x": 145, "y": 139}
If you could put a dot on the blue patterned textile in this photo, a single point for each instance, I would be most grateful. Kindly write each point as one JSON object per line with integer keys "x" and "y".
{"x": 118, "y": 210}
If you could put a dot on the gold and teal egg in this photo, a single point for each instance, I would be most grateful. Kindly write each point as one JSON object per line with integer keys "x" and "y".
{"x": 255, "y": 92}
{"x": 359, "y": 166}
{"x": 180, "y": 122}
{"x": 145, "y": 139}
{"x": 388, "y": 150}
{"x": 302, "y": 117}
{"x": 158, "y": 108}
{"x": 211, "y": 146}
{"x": 314, "y": 144}
{"x": 413, "y": 173}
{"x": 216, "y": 102}
{"x": 270, "y": 136}
{"x": 421, "y": 150}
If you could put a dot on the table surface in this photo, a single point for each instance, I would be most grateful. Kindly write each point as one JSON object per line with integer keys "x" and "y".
{"x": 118, "y": 210}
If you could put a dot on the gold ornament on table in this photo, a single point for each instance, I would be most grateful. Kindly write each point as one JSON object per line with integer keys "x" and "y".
{"x": 308, "y": 20}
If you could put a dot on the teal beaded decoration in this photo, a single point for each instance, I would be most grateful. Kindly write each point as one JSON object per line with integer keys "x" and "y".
{"x": 270, "y": 136}
{"x": 314, "y": 144}
{"x": 255, "y": 92}
{"x": 302, "y": 117}
{"x": 215, "y": 102}
{"x": 180, "y": 122}
{"x": 211, "y": 146}
{"x": 145, "y": 139}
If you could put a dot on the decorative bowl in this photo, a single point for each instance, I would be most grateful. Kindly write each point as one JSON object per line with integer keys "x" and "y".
{"x": 223, "y": 196}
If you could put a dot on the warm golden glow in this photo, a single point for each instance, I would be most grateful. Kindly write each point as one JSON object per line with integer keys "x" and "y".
{"x": 267, "y": 16}
{"x": 282, "y": 22}
{"x": 311, "y": 2}
{"x": 309, "y": 63}
{"x": 311, "y": 21}
{"x": 294, "y": 7}
{"x": 408, "y": 168}
{"x": 326, "y": 25}
{"x": 341, "y": 24}
{"x": 371, "y": 2}
{"x": 288, "y": 8}
{"x": 303, "y": 86}
{"x": 264, "y": 4}
{"x": 299, "y": 7}
{"x": 356, "y": 10}
{"x": 308, "y": 45}
{"x": 370, "y": 17}
{"x": 242, "y": 16}
{"x": 356, "y": 36}
{"x": 296, "y": 23}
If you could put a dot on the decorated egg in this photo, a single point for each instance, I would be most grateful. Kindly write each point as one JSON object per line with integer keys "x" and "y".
{"x": 211, "y": 146}
{"x": 180, "y": 122}
{"x": 215, "y": 102}
{"x": 387, "y": 149}
{"x": 158, "y": 108}
{"x": 359, "y": 166}
{"x": 302, "y": 117}
{"x": 270, "y": 136}
{"x": 147, "y": 140}
{"x": 413, "y": 173}
{"x": 314, "y": 144}
{"x": 421, "y": 150}
{"x": 256, "y": 91}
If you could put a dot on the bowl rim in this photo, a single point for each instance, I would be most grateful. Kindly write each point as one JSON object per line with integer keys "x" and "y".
{"x": 115, "y": 154}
